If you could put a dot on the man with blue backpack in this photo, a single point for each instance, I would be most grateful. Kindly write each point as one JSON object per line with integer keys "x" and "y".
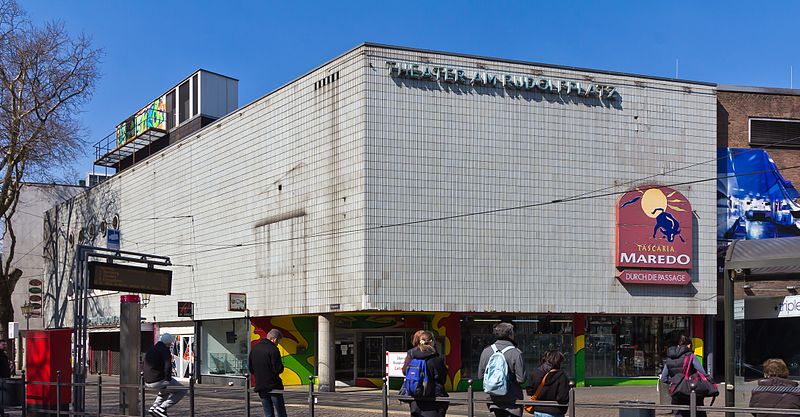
{"x": 503, "y": 371}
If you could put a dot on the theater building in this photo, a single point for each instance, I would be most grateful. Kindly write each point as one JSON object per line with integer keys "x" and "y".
{"x": 395, "y": 189}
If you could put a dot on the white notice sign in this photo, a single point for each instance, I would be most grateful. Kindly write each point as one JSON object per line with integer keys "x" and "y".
{"x": 394, "y": 364}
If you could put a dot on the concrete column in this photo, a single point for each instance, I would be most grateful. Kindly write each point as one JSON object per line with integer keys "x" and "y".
{"x": 326, "y": 357}
{"x": 130, "y": 342}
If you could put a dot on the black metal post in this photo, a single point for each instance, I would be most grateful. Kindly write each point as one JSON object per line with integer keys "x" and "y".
{"x": 385, "y": 397}
{"x": 99, "y": 394}
{"x": 730, "y": 370}
{"x": 24, "y": 394}
{"x": 571, "y": 407}
{"x": 58, "y": 392}
{"x": 191, "y": 395}
{"x": 693, "y": 400}
{"x": 311, "y": 395}
{"x": 471, "y": 399}
{"x": 141, "y": 394}
{"x": 247, "y": 394}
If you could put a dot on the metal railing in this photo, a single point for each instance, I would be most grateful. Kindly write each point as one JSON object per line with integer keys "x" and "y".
{"x": 312, "y": 398}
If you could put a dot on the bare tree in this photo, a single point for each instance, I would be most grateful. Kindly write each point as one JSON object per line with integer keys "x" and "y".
{"x": 45, "y": 77}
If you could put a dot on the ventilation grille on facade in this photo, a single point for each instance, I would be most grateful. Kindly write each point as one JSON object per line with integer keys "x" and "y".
{"x": 327, "y": 80}
{"x": 775, "y": 133}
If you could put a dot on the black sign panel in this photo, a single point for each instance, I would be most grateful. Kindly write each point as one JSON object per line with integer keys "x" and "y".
{"x": 105, "y": 276}
{"x": 185, "y": 309}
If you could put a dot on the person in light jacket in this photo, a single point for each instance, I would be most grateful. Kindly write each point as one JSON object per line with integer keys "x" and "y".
{"x": 503, "y": 406}
{"x": 775, "y": 391}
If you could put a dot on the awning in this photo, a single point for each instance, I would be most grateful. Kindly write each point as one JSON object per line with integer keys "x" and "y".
{"x": 765, "y": 256}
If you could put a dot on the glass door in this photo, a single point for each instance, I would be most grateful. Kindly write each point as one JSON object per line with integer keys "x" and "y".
{"x": 371, "y": 354}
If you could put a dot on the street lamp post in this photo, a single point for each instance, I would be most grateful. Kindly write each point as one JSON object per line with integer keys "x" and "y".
{"x": 27, "y": 311}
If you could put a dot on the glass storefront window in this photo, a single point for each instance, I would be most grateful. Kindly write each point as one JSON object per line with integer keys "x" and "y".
{"x": 534, "y": 336}
{"x": 630, "y": 346}
{"x": 225, "y": 345}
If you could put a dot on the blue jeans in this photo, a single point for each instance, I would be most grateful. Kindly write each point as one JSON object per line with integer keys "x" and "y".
{"x": 273, "y": 400}
{"x": 538, "y": 414}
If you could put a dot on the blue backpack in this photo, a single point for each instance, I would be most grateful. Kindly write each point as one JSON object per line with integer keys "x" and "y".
{"x": 416, "y": 383}
{"x": 495, "y": 378}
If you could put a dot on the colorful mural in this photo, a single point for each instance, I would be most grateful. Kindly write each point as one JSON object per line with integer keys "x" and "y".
{"x": 154, "y": 116}
{"x": 580, "y": 352}
{"x": 297, "y": 346}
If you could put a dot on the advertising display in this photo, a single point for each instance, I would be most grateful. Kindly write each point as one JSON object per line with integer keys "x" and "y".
{"x": 654, "y": 237}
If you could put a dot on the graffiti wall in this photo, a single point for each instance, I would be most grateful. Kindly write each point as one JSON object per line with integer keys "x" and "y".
{"x": 754, "y": 201}
{"x": 297, "y": 346}
{"x": 154, "y": 116}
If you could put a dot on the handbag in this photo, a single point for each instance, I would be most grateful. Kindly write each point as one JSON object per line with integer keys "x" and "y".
{"x": 680, "y": 383}
{"x": 529, "y": 408}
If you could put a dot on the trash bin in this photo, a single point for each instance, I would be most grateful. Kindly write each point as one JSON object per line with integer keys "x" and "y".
{"x": 637, "y": 412}
{"x": 10, "y": 392}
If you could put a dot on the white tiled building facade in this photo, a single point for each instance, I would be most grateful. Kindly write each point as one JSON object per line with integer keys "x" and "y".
{"x": 351, "y": 189}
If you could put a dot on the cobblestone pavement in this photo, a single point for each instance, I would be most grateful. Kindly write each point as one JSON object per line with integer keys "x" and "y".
{"x": 222, "y": 401}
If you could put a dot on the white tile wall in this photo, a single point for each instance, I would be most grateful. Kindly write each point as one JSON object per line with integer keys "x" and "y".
{"x": 359, "y": 158}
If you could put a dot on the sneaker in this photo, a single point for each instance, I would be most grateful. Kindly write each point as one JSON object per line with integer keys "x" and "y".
{"x": 158, "y": 411}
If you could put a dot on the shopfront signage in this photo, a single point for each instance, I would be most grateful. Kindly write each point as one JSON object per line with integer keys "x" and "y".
{"x": 509, "y": 81}
{"x": 644, "y": 276}
{"x": 768, "y": 308}
{"x": 104, "y": 321}
{"x": 113, "y": 277}
{"x": 654, "y": 236}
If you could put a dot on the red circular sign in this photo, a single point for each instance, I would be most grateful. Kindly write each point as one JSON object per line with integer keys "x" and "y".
{"x": 35, "y": 283}
{"x": 35, "y": 298}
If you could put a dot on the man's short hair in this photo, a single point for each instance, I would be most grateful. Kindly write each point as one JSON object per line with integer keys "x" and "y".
{"x": 504, "y": 331}
{"x": 274, "y": 334}
{"x": 775, "y": 367}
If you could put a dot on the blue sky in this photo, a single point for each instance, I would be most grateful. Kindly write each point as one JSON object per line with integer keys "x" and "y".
{"x": 150, "y": 46}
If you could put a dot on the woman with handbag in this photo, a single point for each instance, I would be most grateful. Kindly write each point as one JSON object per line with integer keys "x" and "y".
{"x": 549, "y": 383}
{"x": 680, "y": 362}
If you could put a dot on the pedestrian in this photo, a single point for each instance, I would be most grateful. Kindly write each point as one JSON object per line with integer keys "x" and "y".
{"x": 266, "y": 366}
{"x": 676, "y": 357}
{"x": 550, "y": 383}
{"x": 775, "y": 391}
{"x": 157, "y": 371}
{"x": 425, "y": 350}
{"x": 5, "y": 365}
{"x": 5, "y": 368}
{"x": 504, "y": 405}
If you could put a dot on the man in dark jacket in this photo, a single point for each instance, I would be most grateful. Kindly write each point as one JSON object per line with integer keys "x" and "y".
{"x": 266, "y": 366}
{"x": 503, "y": 406}
{"x": 157, "y": 371}
{"x": 775, "y": 391}
{"x": 551, "y": 383}
{"x": 5, "y": 365}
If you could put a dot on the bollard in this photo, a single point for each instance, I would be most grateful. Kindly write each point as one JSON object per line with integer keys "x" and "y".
{"x": 247, "y": 394}
{"x": 58, "y": 393}
{"x": 693, "y": 400}
{"x": 571, "y": 407}
{"x": 311, "y": 395}
{"x": 385, "y": 395}
{"x": 191, "y": 394}
{"x": 99, "y": 394}
{"x": 24, "y": 394}
{"x": 470, "y": 399}
{"x": 141, "y": 394}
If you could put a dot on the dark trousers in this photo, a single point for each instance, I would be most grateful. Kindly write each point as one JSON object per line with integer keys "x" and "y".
{"x": 273, "y": 401}
{"x": 685, "y": 400}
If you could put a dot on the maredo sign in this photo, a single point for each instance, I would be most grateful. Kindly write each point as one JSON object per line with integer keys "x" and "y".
{"x": 654, "y": 237}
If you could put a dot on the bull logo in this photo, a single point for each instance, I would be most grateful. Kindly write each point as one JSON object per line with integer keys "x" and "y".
{"x": 654, "y": 203}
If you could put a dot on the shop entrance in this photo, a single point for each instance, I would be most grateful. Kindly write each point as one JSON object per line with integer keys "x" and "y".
{"x": 183, "y": 351}
{"x": 371, "y": 352}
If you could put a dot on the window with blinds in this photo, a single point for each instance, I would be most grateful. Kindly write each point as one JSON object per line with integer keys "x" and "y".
{"x": 775, "y": 133}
